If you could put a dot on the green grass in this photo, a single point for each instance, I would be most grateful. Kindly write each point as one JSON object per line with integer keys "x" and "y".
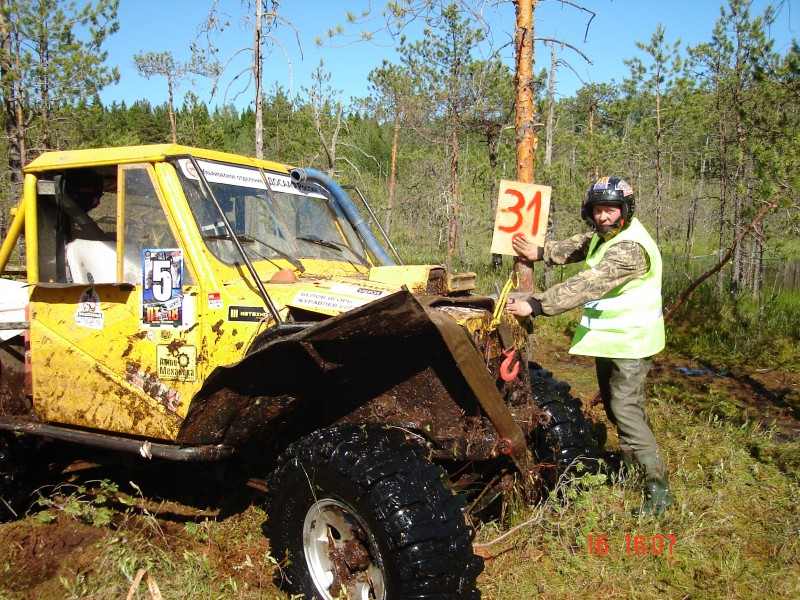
{"x": 733, "y": 329}
{"x": 735, "y": 527}
{"x": 736, "y": 524}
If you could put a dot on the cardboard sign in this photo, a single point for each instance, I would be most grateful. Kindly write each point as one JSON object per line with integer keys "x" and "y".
{"x": 522, "y": 209}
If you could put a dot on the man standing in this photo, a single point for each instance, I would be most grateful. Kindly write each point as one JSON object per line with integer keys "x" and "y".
{"x": 622, "y": 324}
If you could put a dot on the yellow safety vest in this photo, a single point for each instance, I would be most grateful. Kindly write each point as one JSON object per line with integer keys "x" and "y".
{"x": 627, "y": 322}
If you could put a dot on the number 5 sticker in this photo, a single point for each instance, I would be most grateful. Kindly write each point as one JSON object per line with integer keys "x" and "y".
{"x": 162, "y": 280}
{"x": 522, "y": 209}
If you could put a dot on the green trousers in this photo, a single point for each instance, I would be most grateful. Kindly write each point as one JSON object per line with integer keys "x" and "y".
{"x": 621, "y": 382}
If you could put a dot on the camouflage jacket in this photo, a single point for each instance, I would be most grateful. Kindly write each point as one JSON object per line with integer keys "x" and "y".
{"x": 623, "y": 261}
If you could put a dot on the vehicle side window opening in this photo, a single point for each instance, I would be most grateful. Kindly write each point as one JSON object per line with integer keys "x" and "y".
{"x": 51, "y": 233}
{"x": 145, "y": 225}
{"x": 78, "y": 224}
{"x": 80, "y": 192}
{"x": 73, "y": 208}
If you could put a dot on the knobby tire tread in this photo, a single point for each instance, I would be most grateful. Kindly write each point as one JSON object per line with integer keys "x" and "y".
{"x": 567, "y": 439}
{"x": 428, "y": 544}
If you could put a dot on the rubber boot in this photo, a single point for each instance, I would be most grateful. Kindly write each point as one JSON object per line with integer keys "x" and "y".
{"x": 658, "y": 496}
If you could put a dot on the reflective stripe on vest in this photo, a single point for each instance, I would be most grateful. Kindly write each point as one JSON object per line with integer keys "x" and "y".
{"x": 628, "y": 321}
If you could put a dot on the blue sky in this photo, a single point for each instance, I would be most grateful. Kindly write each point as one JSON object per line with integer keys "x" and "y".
{"x": 172, "y": 25}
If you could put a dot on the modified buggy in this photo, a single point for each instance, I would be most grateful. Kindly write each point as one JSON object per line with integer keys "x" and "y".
{"x": 189, "y": 305}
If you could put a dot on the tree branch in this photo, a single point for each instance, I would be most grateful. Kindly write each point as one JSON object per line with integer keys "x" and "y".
{"x": 693, "y": 286}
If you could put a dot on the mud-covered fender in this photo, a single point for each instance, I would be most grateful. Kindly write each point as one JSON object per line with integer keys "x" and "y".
{"x": 391, "y": 360}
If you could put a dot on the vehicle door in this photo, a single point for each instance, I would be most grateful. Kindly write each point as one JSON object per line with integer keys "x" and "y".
{"x": 113, "y": 337}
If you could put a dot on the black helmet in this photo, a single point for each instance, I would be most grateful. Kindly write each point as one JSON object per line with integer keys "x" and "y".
{"x": 609, "y": 191}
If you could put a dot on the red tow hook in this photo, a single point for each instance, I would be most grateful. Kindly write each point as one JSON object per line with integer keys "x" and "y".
{"x": 505, "y": 373}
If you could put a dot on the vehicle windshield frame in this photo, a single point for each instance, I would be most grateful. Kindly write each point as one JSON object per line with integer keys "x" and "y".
{"x": 269, "y": 214}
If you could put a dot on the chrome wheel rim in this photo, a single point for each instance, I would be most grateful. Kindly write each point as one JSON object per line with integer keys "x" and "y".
{"x": 340, "y": 552}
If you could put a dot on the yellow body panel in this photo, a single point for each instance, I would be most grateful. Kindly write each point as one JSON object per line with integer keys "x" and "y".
{"x": 96, "y": 362}
{"x": 413, "y": 276}
{"x": 50, "y": 161}
{"x": 94, "y": 367}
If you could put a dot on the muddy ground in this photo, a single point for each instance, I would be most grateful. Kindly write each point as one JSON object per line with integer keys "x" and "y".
{"x": 768, "y": 396}
{"x": 50, "y": 559}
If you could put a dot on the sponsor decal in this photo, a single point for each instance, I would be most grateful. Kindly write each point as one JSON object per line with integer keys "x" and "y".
{"x": 625, "y": 187}
{"x": 89, "y": 313}
{"x": 248, "y": 177}
{"x": 361, "y": 291}
{"x": 601, "y": 183}
{"x": 246, "y": 313}
{"x": 162, "y": 287}
{"x": 176, "y": 363}
{"x": 214, "y": 300}
{"x": 326, "y": 301}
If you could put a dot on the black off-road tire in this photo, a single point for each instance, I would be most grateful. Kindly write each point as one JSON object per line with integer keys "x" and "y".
{"x": 566, "y": 442}
{"x": 358, "y": 507}
{"x": 15, "y": 497}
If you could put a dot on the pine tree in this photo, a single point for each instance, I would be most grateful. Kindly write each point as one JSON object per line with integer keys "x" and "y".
{"x": 656, "y": 80}
{"x": 51, "y": 58}
{"x": 739, "y": 51}
{"x": 440, "y": 63}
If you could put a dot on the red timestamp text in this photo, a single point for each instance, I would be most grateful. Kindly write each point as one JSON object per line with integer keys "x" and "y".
{"x": 635, "y": 544}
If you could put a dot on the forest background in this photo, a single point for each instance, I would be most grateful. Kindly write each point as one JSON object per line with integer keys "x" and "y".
{"x": 709, "y": 135}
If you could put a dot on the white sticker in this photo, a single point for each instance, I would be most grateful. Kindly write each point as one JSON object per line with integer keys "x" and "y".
{"x": 214, "y": 300}
{"x": 326, "y": 301}
{"x": 248, "y": 177}
{"x": 360, "y": 291}
{"x": 89, "y": 313}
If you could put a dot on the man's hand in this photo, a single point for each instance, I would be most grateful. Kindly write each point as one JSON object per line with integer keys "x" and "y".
{"x": 518, "y": 308}
{"x": 527, "y": 250}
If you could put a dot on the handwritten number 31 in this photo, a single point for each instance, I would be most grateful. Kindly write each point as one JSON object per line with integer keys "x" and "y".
{"x": 535, "y": 205}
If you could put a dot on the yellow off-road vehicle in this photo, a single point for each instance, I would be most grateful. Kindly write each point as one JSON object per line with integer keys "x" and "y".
{"x": 190, "y": 305}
